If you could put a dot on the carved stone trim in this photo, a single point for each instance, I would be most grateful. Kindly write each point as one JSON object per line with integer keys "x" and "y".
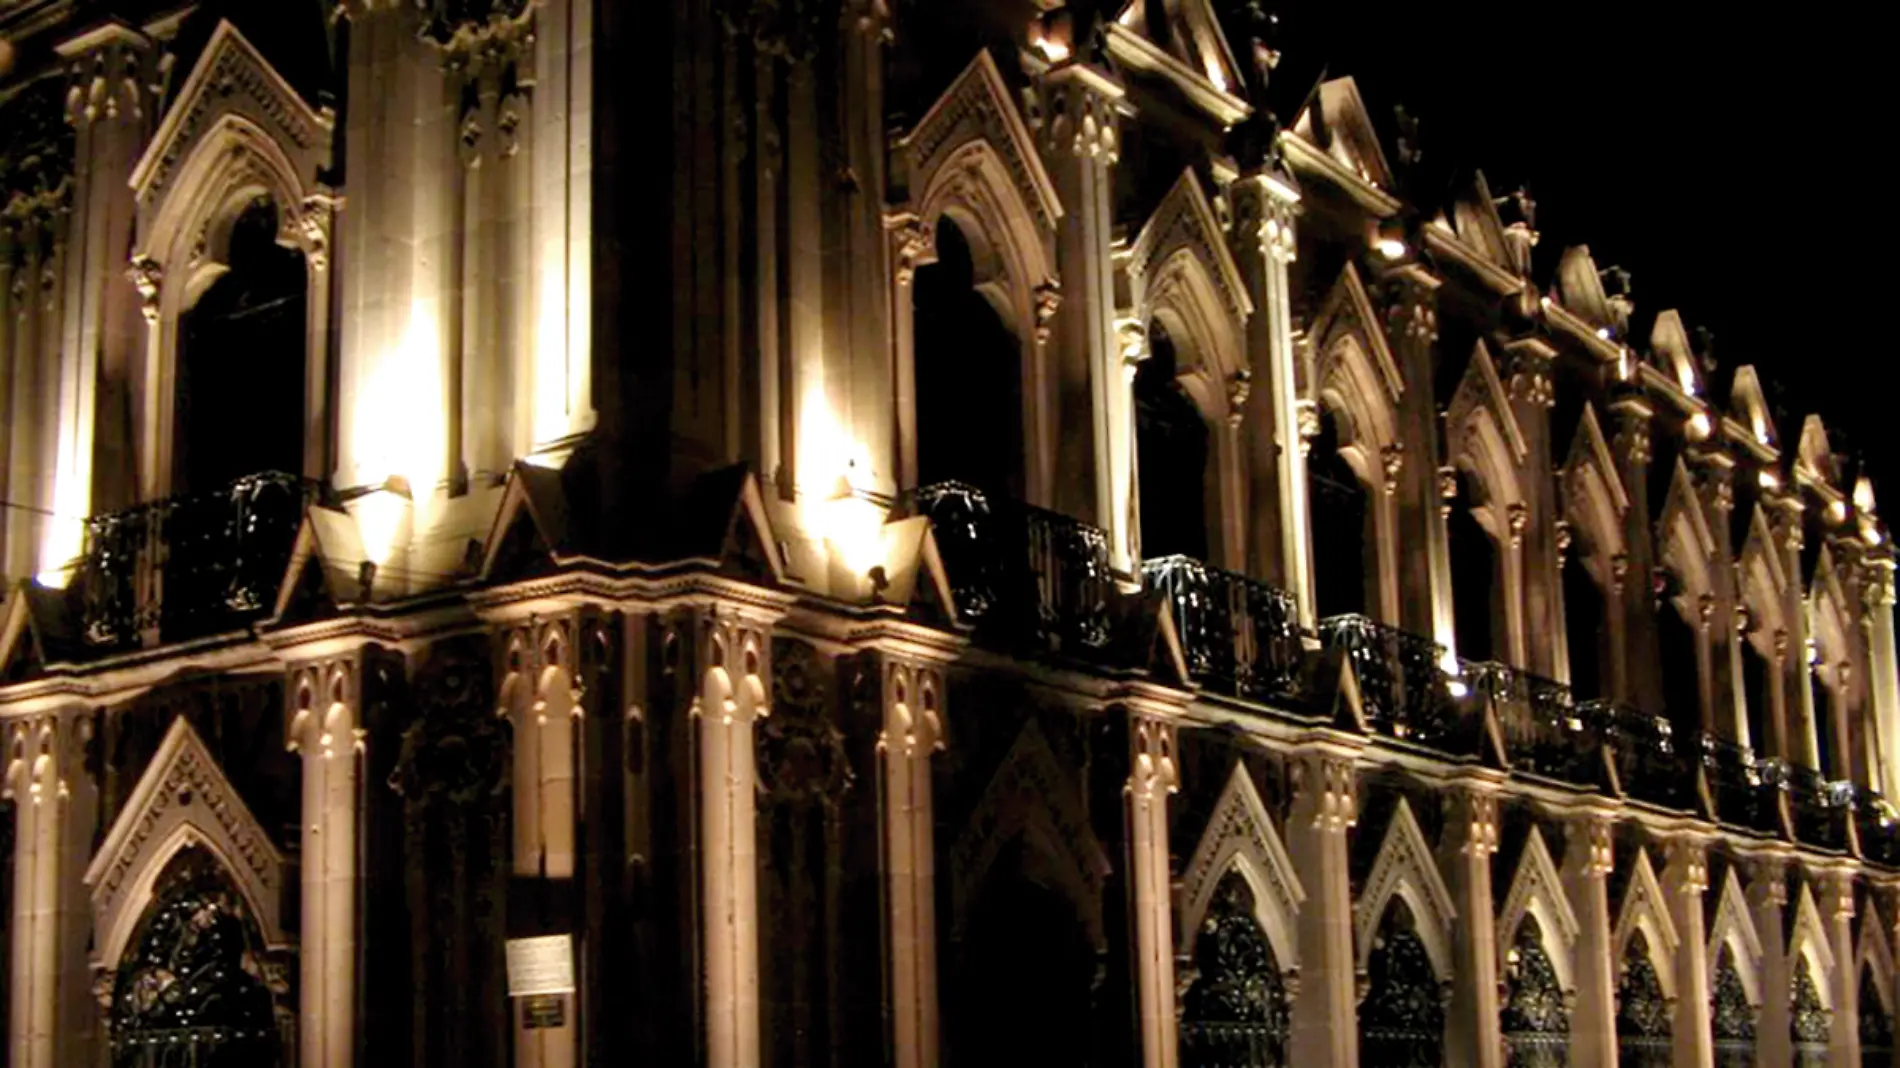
{"x": 1405, "y": 868}
{"x": 1646, "y": 909}
{"x": 1537, "y": 890}
{"x": 1240, "y": 837}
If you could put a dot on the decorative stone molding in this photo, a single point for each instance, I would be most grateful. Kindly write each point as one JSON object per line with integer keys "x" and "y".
{"x": 1240, "y": 838}
{"x": 1324, "y": 788}
{"x": 1809, "y": 939}
{"x": 1874, "y": 956}
{"x": 1646, "y": 909}
{"x": 1183, "y": 229}
{"x": 1537, "y": 890}
{"x": 1404, "y": 867}
{"x": 182, "y": 799}
{"x": 977, "y": 110}
{"x": 1347, "y": 325}
{"x": 1734, "y": 927}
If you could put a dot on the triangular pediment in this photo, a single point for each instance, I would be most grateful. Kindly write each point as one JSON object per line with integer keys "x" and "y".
{"x": 1594, "y": 488}
{"x": 1815, "y": 453}
{"x": 325, "y": 570}
{"x": 1405, "y": 868}
{"x": 1749, "y": 404}
{"x": 1685, "y": 539}
{"x": 1580, "y": 287}
{"x": 1537, "y": 890}
{"x": 35, "y": 630}
{"x": 1336, "y": 122}
{"x": 1669, "y": 345}
{"x": 1482, "y": 390}
{"x": 1184, "y": 223}
{"x": 1188, "y": 32}
{"x": 1240, "y": 837}
{"x": 233, "y": 81}
{"x": 978, "y": 107}
{"x": 1475, "y": 220}
{"x": 183, "y": 799}
{"x": 1809, "y": 938}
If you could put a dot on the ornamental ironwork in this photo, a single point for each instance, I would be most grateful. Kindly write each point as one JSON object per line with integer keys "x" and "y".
{"x": 1535, "y": 1017}
{"x": 1808, "y": 1018}
{"x": 194, "y": 992}
{"x": 1642, "y": 1013}
{"x": 1236, "y": 1013}
{"x": 1400, "y": 683}
{"x": 1731, "y": 1017}
{"x": 1240, "y": 636}
{"x": 1402, "y": 1019}
{"x": 1876, "y": 1025}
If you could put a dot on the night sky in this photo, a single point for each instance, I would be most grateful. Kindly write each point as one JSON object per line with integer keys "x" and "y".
{"x": 1730, "y": 164}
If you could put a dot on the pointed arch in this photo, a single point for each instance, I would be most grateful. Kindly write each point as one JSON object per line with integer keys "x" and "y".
{"x": 1809, "y": 940}
{"x": 1734, "y": 928}
{"x": 1669, "y": 341}
{"x": 1537, "y": 891}
{"x": 1404, "y": 869}
{"x": 182, "y": 800}
{"x": 1874, "y": 957}
{"x": 1180, "y": 262}
{"x": 1747, "y": 401}
{"x": 1645, "y": 909}
{"x": 1030, "y": 797}
{"x": 1594, "y": 498}
{"x": 1764, "y": 585}
{"x": 1686, "y": 542}
{"x": 1348, "y": 314}
{"x": 1240, "y": 838}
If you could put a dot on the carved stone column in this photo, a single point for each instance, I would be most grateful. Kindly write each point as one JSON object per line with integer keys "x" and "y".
{"x": 1684, "y": 881}
{"x": 1152, "y": 777}
{"x": 1077, "y": 132}
{"x": 1325, "y": 1011}
{"x": 1588, "y": 859}
{"x": 325, "y": 703}
{"x": 1473, "y": 1030}
{"x": 1264, "y": 206}
{"x": 1424, "y": 581}
{"x": 1632, "y": 447}
{"x": 1834, "y": 890}
{"x": 912, "y": 691}
{"x": 1767, "y": 897}
{"x": 52, "y": 1010}
{"x": 1883, "y": 671}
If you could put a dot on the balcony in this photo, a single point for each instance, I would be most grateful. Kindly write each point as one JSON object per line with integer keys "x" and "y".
{"x": 1818, "y": 810}
{"x": 1027, "y": 578}
{"x": 1241, "y": 637}
{"x": 1877, "y": 825}
{"x": 189, "y": 566}
{"x": 1642, "y": 749}
{"x": 1402, "y": 690}
{"x": 1742, "y": 787}
{"x": 1543, "y": 732}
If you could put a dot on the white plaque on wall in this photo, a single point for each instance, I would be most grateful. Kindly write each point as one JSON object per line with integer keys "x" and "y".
{"x": 542, "y": 965}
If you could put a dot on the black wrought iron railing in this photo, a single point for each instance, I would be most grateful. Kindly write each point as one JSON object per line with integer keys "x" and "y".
{"x": 1742, "y": 786}
{"x": 1877, "y": 825}
{"x": 1400, "y": 683}
{"x": 1642, "y": 746}
{"x": 1818, "y": 809}
{"x": 1543, "y": 732}
{"x": 1232, "y": 1045}
{"x": 191, "y": 565}
{"x": 1241, "y": 636}
{"x": 1025, "y": 576}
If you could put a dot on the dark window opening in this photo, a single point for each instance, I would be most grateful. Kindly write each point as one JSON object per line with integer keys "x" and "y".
{"x": 1402, "y": 1019}
{"x": 1475, "y": 579}
{"x": 1236, "y": 1013}
{"x": 969, "y": 377}
{"x": 1584, "y": 627}
{"x": 1824, "y": 747}
{"x": 1025, "y": 975}
{"x": 1642, "y": 1013}
{"x": 1342, "y": 527}
{"x": 1171, "y": 451}
{"x": 1757, "y": 696}
{"x": 1681, "y": 670}
{"x": 239, "y": 406}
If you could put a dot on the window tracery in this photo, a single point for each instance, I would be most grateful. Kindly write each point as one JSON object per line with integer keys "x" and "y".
{"x": 1808, "y": 1018}
{"x": 1236, "y": 1013}
{"x": 1536, "y": 1014}
{"x": 1731, "y": 1016}
{"x": 1642, "y": 1012}
{"x": 1402, "y": 1019}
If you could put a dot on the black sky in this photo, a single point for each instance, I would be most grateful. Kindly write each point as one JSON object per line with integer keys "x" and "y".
{"x": 1733, "y": 162}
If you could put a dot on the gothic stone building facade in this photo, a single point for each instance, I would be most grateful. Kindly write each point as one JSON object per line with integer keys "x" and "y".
{"x": 921, "y": 533}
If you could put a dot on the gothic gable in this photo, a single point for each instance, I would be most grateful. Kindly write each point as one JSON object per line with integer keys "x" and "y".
{"x": 1348, "y": 317}
{"x": 1747, "y": 402}
{"x": 977, "y": 110}
{"x": 1814, "y": 456}
{"x": 1734, "y": 927}
{"x": 1536, "y": 890}
{"x": 1645, "y": 909}
{"x": 1183, "y": 231}
{"x": 1189, "y": 33}
{"x": 183, "y": 799}
{"x": 1669, "y": 342}
{"x": 1580, "y": 287}
{"x": 326, "y": 567}
{"x": 1337, "y": 123}
{"x": 1240, "y": 838}
{"x": 233, "y": 85}
{"x": 1809, "y": 939}
{"x": 1685, "y": 542}
{"x": 1404, "y": 867}
{"x": 1594, "y": 497}
{"x": 1485, "y": 436}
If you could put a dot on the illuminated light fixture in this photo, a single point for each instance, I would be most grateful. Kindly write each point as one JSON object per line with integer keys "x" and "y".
{"x": 1214, "y": 75}
{"x": 1052, "y": 50}
{"x": 1544, "y": 303}
{"x": 1603, "y": 333}
{"x": 1457, "y": 687}
{"x": 1870, "y": 534}
{"x": 1768, "y": 480}
{"x": 1699, "y": 425}
{"x": 1051, "y": 35}
{"x": 1837, "y": 512}
{"x": 1391, "y": 248}
{"x": 1454, "y": 675}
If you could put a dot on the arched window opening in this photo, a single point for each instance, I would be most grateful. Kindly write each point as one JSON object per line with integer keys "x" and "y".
{"x": 191, "y": 991}
{"x": 969, "y": 376}
{"x": 1824, "y": 697}
{"x": 1731, "y": 1017}
{"x": 1808, "y": 1021}
{"x": 1236, "y": 1014}
{"x": 1536, "y": 1016}
{"x": 1171, "y": 452}
{"x": 1876, "y": 1025}
{"x": 1475, "y": 578}
{"x": 1584, "y": 627}
{"x": 1681, "y": 667}
{"x": 1758, "y": 681}
{"x": 1343, "y": 566}
{"x": 239, "y": 406}
{"x": 1402, "y": 1019}
{"x": 1024, "y": 996}
{"x": 1642, "y": 1013}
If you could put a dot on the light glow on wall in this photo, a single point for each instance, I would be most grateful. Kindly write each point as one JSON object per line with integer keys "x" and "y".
{"x": 399, "y": 428}
{"x": 836, "y": 485}
{"x": 550, "y": 398}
